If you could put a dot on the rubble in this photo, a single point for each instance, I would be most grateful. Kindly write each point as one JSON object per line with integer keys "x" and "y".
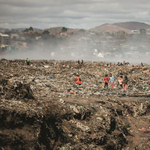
{"x": 42, "y": 108}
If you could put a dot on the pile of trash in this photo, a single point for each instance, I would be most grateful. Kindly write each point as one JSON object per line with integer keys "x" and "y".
{"x": 42, "y": 108}
{"x": 15, "y": 90}
{"x": 55, "y": 78}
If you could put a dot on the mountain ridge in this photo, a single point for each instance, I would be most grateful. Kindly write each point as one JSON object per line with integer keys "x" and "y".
{"x": 133, "y": 25}
{"x": 109, "y": 28}
{"x": 115, "y": 27}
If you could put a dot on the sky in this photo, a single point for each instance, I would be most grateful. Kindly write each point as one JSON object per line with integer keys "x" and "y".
{"x": 85, "y": 14}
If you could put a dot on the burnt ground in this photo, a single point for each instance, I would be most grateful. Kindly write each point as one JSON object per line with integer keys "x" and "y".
{"x": 36, "y": 116}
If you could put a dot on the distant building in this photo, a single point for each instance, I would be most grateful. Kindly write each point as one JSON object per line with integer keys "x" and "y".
{"x": 135, "y": 32}
{"x": 92, "y": 32}
{"x": 63, "y": 34}
{"x": 14, "y": 36}
{"x": 4, "y": 40}
{"x": 148, "y": 31}
{"x": 38, "y": 37}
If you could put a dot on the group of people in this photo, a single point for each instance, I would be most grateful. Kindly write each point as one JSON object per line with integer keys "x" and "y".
{"x": 122, "y": 82}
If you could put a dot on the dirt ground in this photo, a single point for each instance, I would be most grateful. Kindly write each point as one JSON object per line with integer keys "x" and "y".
{"x": 139, "y": 137}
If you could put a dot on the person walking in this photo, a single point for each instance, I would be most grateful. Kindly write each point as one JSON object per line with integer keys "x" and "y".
{"x": 106, "y": 81}
{"x": 77, "y": 80}
{"x": 120, "y": 81}
{"x": 125, "y": 81}
{"x": 112, "y": 81}
{"x": 28, "y": 62}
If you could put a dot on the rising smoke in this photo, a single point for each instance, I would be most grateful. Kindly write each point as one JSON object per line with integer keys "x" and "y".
{"x": 85, "y": 46}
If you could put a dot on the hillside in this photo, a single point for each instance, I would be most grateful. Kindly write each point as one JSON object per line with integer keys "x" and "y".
{"x": 109, "y": 28}
{"x": 22, "y": 29}
{"x": 120, "y": 26}
{"x": 59, "y": 29}
{"x": 132, "y": 25}
{"x": 2, "y": 29}
{"x": 19, "y": 29}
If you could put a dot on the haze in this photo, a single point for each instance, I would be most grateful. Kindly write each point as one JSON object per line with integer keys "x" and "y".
{"x": 85, "y": 14}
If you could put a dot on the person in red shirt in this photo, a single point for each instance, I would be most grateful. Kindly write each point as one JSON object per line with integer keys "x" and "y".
{"x": 106, "y": 81}
{"x": 77, "y": 79}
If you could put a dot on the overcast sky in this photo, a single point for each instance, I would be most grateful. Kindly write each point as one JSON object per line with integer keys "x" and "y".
{"x": 71, "y": 13}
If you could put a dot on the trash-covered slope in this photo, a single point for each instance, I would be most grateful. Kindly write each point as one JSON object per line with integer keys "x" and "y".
{"x": 41, "y": 108}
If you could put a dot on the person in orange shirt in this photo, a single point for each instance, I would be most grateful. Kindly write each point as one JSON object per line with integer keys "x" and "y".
{"x": 106, "y": 81}
{"x": 77, "y": 80}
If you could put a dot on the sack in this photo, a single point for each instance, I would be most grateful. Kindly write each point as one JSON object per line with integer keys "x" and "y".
{"x": 120, "y": 81}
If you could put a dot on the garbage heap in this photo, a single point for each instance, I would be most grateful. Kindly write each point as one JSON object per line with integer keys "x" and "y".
{"x": 55, "y": 78}
{"x": 42, "y": 108}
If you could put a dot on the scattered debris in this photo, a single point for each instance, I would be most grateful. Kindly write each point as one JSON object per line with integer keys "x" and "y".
{"x": 42, "y": 108}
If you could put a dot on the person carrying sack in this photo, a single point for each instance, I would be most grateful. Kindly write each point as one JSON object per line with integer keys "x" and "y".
{"x": 120, "y": 81}
{"x": 77, "y": 79}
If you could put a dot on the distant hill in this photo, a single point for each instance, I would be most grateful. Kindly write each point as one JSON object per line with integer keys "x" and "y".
{"x": 109, "y": 28}
{"x": 59, "y": 29}
{"x": 54, "y": 29}
{"x": 121, "y": 26}
{"x": 133, "y": 25}
{"x": 19, "y": 29}
{"x": 2, "y": 29}
{"x": 22, "y": 29}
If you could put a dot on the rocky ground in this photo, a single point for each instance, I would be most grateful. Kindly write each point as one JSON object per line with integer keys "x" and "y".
{"x": 41, "y": 108}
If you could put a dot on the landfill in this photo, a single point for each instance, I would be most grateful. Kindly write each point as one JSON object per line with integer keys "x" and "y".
{"x": 42, "y": 108}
